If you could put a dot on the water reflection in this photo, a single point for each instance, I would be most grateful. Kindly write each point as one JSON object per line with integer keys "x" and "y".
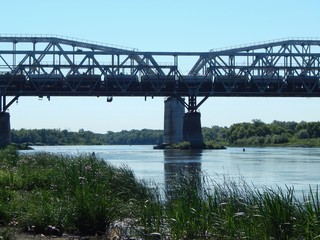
{"x": 178, "y": 163}
{"x": 263, "y": 167}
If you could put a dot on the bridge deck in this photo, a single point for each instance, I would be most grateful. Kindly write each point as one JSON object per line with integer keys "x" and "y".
{"x": 92, "y": 85}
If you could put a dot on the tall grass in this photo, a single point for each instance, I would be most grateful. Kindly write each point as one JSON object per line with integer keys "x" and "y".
{"x": 198, "y": 207}
{"x": 46, "y": 192}
{"x": 53, "y": 194}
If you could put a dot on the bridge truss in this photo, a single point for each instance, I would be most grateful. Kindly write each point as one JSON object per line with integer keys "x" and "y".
{"x": 48, "y": 66}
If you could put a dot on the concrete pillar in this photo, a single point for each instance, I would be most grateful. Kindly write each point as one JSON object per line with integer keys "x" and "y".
{"x": 192, "y": 129}
{"x": 173, "y": 121}
{"x": 5, "y": 132}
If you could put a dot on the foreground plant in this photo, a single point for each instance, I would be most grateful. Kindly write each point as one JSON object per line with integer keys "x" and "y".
{"x": 46, "y": 192}
{"x": 198, "y": 207}
{"x": 53, "y": 194}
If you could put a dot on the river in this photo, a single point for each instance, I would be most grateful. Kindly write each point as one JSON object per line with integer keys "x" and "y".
{"x": 263, "y": 167}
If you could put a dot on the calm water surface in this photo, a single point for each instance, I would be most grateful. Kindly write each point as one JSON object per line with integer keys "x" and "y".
{"x": 263, "y": 167}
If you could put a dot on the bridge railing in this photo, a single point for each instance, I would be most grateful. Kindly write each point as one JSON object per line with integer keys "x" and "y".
{"x": 62, "y": 37}
{"x": 264, "y": 43}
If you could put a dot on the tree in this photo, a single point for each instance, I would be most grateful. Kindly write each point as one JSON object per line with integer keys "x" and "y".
{"x": 303, "y": 134}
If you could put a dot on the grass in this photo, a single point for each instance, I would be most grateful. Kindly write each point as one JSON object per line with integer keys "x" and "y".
{"x": 52, "y": 194}
{"x": 72, "y": 194}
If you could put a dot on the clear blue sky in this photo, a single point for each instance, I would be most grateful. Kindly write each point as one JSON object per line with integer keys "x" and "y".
{"x": 167, "y": 25}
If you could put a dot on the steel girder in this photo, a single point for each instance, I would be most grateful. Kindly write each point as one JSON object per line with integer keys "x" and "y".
{"x": 57, "y": 66}
{"x": 283, "y": 68}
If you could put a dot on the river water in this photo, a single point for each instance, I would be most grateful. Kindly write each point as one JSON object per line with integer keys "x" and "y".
{"x": 263, "y": 167}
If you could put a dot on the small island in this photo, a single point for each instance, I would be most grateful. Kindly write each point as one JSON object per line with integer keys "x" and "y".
{"x": 188, "y": 146}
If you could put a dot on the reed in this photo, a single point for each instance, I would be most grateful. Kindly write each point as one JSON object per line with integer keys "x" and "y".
{"x": 309, "y": 211}
{"x": 53, "y": 194}
{"x": 202, "y": 208}
{"x": 48, "y": 193}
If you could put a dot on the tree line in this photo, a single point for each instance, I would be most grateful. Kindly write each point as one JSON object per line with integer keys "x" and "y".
{"x": 82, "y": 137}
{"x": 251, "y": 133}
{"x": 258, "y": 133}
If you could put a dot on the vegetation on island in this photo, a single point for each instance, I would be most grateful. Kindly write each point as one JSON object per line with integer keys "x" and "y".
{"x": 84, "y": 196}
{"x": 187, "y": 145}
{"x": 255, "y": 133}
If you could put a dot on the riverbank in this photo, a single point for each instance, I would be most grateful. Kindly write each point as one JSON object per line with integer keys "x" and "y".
{"x": 57, "y": 195}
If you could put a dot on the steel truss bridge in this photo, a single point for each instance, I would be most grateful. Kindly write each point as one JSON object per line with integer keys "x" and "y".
{"x": 46, "y": 66}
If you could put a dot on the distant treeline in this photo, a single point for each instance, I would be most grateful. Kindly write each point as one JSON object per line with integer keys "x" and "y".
{"x": 258, "y": 133}
{"x": 255, "y": 133}
{"x": 82, "y": 137}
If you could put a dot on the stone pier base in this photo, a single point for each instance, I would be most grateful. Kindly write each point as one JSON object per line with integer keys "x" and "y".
{"x": 192, "y": 129}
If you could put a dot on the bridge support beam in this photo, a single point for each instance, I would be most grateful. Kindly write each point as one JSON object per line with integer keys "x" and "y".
{"x": 173, "y": 121}
{"x": 5, "y": 131}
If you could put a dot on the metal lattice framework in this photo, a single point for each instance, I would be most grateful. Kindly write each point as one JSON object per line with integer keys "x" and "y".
{"x": 59, "y": 66}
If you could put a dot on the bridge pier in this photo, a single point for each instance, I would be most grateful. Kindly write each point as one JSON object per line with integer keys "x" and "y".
{"x": 5, "y": 131}
{"x": 192, "y": 129}
{"x": 173, "y": 121}
{"x": 180, "y": 126}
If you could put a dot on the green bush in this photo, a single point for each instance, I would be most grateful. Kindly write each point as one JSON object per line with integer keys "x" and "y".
{"x": 181, "y": 145}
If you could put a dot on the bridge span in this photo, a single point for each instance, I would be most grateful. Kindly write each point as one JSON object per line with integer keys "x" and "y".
{"x": 48, "y": 65}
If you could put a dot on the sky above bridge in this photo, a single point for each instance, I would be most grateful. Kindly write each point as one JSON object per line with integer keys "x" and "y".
{"x": 167, "y": 25}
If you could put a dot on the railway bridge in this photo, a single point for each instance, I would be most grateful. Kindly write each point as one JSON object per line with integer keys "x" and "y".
{"x": 50, "y": 65}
